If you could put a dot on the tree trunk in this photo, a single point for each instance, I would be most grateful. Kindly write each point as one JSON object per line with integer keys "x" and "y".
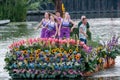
{"x": 58, "y": 6}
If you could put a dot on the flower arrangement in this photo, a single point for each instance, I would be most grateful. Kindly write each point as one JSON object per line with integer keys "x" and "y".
{"x": 51, "y": 58}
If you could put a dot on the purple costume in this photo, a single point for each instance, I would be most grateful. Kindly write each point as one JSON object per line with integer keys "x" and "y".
{"x": 58, "y": 24}
{"x": 50, "y": 30}
{"x": 43, "y": 29}
{"x": 65, "y": 29}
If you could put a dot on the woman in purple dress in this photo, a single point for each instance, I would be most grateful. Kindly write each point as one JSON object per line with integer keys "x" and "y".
{"x": 64, "y": 28}
{"x": 43, "y": 24}
{"x": 52, "y": 28}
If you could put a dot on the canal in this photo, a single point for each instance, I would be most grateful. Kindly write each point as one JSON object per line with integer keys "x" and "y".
{"x": 101, "y": 28}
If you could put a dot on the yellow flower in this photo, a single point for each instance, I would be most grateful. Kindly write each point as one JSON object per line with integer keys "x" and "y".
{"x": 70, "y": 50}
{"x": 25, "y": 52}
{"x": 31, "y": 58}
{"x": 57, "y": 49}
{"x": 53, "y": 50}
{"x": 37, "y": 58}
{"x": 47, "y": 59}
{"x": 60, "y": 54}
{"x": 37, "y": 55}
{"x": 37, "y": 51}
{"x": 76, "y": 49}
{"x": 105, "y": 56}
{"x": 77, "y": 56}
{"x": 69, "y": 57}
{"x": 62, "y": 49}
{"x": 31, "y": 55}
{"x": 100, "y": 60}
{"x": 25, "y": 61}
{"x": 16, "y": 49}
{"x": 65, "y": 52}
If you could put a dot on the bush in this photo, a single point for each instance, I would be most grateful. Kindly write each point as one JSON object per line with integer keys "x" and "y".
{"x": 15, "y": 10}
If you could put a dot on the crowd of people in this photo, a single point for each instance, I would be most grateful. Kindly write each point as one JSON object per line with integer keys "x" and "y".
{"x": 54, "y": 26}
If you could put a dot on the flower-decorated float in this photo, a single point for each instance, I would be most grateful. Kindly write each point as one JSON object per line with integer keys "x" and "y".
{"x": 51, "y": 58}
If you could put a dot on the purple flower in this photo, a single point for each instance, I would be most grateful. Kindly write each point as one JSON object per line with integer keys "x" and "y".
{"x": 20, "y": 58}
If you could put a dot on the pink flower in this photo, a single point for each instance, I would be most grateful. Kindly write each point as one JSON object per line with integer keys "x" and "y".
{"x": 81, "y": 43}
{"x": 87, "y": 48}
{"x": 23, "y": 70}
{"x": 30, "y": 41}
{"x": 35, "y": 40}
{"x": 44, "y": 39}
{"x": 22, "y": 42}
{"x": 64, "y": 41}
{"x": 16, "y": 70}
{"x": 84, "y": 46}
{"x": 64, "y": 73}
{"x": 10, "y": 47}
{"x": 60, "y": 41}
{"x": 36, "y": 72}
{"x": 38, "y": 39}
{"x": 50, "y": 39}
{"x": 56, "y": 40}
{"x": 20, "y": 58}
{"x": 72, "y": 41}
{"x": 70, "y": 72}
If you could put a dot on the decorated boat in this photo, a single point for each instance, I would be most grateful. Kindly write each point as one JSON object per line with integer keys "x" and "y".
{"x": 53, "y": 58}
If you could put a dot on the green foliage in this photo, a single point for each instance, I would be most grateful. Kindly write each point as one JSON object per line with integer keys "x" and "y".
{"x": 93, "y": 43}
{"x": 34, "y": 6}
{"x": 37, "y": 4}
{"x": 15, "y": 10}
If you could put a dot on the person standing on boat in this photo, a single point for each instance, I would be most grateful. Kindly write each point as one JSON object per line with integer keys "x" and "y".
{"x": 87, "y": 26}
{"x": 58, "y": 19}
{"x": 52, "y": 28}
{"x": 82, "y": 31}
{"x": 64, "y": 28}
{"x": 43, "y": 23}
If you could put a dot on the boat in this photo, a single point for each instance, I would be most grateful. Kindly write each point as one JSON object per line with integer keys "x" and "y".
{"x": 43, "y": 58}
{"x": 4, "y": 22}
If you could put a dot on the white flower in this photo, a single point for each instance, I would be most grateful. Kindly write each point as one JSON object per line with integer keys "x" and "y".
{"x": 20, "y": 63}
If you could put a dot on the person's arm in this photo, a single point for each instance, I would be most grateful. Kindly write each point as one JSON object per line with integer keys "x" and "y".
{"x": 59, "y": 29}
{"x": 56, "y": 29}
{"x": 54, "y": 16}
{"x": 73, "y": 25}
{"x": 39, "y": 25}
{"x": 81, "y": 31}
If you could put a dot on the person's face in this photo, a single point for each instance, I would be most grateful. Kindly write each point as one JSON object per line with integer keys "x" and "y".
{"x": 46, "y": 15}
{"x": 85, "y": 21}
{"x": 66, "y": 15}
{"x": 57, "y": 14}
{"x": 52, "y": 18}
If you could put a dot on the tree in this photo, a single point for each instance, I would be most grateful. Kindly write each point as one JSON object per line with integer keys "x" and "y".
{"x": 15, "y": 10}
{"x": 58, "y": 6}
